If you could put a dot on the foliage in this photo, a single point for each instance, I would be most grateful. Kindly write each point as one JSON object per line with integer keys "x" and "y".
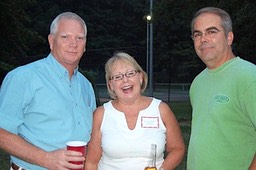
{"x": 90, "y": 75}
{"x": 17, "y": 33}
{"x": 172, "y": 25}
{"x": 118, "y": 25}
{"x": 244, "y": 21}
{"x": 4, "y": 160}
{"x": 4, "y": 68}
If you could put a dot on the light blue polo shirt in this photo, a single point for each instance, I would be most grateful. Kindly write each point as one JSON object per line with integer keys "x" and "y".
{"x": 40, "y": 103}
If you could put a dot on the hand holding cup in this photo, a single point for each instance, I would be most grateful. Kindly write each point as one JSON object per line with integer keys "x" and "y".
{"x": 79, "y": 146}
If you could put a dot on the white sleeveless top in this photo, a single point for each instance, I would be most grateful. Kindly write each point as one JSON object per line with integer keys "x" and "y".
{"x": 125, "y": 149}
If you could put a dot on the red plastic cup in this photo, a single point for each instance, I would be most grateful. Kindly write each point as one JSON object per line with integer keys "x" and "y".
{"x": 79, "y": 146}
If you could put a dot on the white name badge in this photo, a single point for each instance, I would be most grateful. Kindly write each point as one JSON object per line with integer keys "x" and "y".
{"x": 149, "y": 122}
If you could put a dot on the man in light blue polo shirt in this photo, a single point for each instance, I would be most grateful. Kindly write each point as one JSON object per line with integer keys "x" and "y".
{"x": 47, "y": 103}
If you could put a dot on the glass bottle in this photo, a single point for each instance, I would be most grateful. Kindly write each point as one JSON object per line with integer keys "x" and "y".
{"x": 152, "y": 165}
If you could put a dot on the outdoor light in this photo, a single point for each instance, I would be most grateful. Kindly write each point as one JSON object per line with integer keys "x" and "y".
{"x": 148, "y": 17}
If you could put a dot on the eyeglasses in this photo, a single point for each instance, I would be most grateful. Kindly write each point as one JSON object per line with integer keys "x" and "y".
{"x": 120, "y": 76}
{"x": 209, "y": 33}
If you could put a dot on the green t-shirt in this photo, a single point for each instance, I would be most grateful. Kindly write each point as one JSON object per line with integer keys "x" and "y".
{"x": 223, "y": 132}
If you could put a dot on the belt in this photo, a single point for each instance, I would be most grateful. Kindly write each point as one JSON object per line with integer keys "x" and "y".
{"x": 16, "y": 167}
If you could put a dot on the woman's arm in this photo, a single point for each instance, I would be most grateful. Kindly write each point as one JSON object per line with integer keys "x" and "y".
{"x": 253, "y": 164}
{"x": 94, "y": 150}
{"x": 175, "y": 147}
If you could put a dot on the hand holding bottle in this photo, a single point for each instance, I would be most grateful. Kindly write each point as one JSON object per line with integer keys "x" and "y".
{"x": 152, "y": 166}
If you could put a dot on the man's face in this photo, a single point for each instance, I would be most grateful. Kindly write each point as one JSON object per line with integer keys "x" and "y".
{"x": 210, "y": 42}
{"x": 68, "y": 43}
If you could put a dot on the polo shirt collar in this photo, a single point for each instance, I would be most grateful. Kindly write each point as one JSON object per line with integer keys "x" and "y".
{"x": 60, "y": 70}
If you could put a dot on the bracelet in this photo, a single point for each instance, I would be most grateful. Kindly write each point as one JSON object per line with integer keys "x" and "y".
{"x": 161, "y": 168}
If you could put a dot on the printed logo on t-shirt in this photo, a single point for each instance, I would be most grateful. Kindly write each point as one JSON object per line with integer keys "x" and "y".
{"x": 220, "y": 98}
{"x": 149, "y": 122}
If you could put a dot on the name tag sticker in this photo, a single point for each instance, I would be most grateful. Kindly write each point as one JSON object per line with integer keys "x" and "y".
{"x": 149, "y": 122}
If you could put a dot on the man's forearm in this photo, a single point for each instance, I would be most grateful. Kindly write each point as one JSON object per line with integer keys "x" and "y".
{"x": 18, "y": 147}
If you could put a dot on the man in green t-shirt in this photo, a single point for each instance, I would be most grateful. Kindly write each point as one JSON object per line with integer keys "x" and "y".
{"x": 223, "y": 98}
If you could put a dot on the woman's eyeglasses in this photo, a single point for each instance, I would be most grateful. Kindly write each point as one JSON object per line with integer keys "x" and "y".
{"x": 120, "y": 76}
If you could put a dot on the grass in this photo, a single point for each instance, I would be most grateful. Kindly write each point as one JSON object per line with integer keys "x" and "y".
{"x": 182, "y": 111}
{"x": 4, "y": 160}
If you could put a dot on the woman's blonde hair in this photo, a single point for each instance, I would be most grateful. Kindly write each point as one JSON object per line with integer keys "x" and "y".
{"x": 126, "y": 58}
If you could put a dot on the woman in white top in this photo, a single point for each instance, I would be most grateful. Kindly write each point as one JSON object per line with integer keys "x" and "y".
{"x": 125, "y": 127}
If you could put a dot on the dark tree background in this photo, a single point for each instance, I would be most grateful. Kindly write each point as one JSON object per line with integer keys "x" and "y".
{"x": 119, "y": 25}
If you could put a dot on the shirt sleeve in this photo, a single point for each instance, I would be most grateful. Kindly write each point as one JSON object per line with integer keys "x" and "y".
{"x": 12, "y": 99}
{"x": 249, "y": 103}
